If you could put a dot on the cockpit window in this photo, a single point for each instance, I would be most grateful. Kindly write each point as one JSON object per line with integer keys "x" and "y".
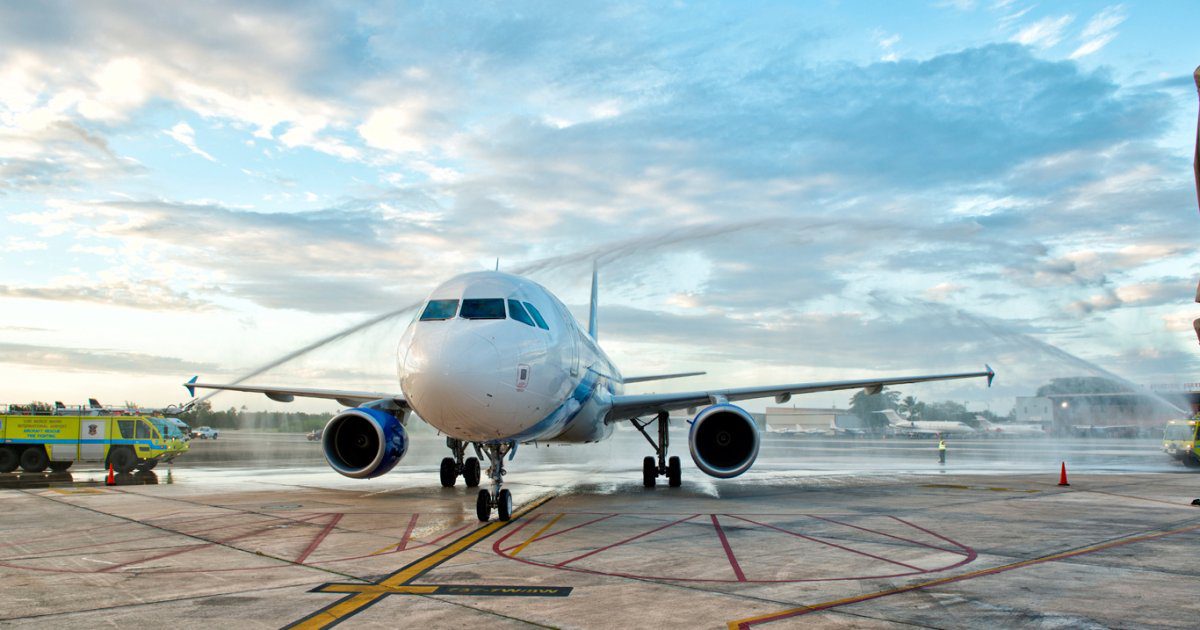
{"x": 439, "y": 309}
{"x": 537, "y": 317}
{"x": 488, "y": 308}
{"x": 517, "y": 312}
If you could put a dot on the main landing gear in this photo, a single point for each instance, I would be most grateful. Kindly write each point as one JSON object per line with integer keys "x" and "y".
{"x": 653, "y": 468}
{"x": 500, "y": 499}
{"x": 452, "y": 467}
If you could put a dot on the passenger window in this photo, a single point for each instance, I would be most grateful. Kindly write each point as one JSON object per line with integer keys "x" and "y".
{"x": 518, "y": 313}
{"x": 439, "y": 309}
{"x": 537, "y": 317}
{"x": 487, "y": 308}
{"x": 143, "y": 431}
{"x": 126, "y": 429}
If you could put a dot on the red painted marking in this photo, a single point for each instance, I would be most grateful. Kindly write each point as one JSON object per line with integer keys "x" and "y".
{"x": 316, "y": 542}
{"x": 966, "y": 576}
{"x": 412, "y": 522}
{"x": 931, "y": 533}
{"x": 172, "y": 552}
{"x": 496, "y": 545}
{"x": 826, "y": 542}
{"x": 915, "y": 542}
{"x": 595, "y": 520}
{"x": 627, "y": 540}
{"x": 737, "y": 569}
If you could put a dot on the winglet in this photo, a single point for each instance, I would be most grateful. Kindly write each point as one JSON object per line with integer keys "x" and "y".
{"x": 188, "y": 385}
{"x": 592, "y": 331}
{"x": 991, "y": 374}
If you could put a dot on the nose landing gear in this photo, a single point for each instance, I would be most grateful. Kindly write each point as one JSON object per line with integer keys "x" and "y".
{"x": 664, "y": 466}
{"x": 498, "y": 498}
{"x": 452, "y": 467}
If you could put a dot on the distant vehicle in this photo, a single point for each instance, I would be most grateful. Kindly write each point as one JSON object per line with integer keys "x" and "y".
{"x": 925, "y": 428}
{"x": 1010, "y": 430}
{"x": 37, "y": 441}
{"x": 315, "y": 435}
{"x": 1180, "y": 441}
{"x": 205, "y": 433}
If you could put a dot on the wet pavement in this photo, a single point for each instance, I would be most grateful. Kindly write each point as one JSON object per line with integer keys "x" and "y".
{"x": 840, "y": 532}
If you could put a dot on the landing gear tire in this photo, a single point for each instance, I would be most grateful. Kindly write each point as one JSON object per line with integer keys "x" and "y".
{"x": 649, "y": 472}
{"x": 674, "y": 472}
{"x": 471, "y": 472}
{"x": 8, "y": 459}
{"x": 504, "y": 505}
{"x": 122, "y": 460}
{"x": 60, "y": 466}
{"x": 449, "y": 472}
{"x": 1191, "y": 461}
{"x": 34, "y": 459}
{"x": 483, "y": 506}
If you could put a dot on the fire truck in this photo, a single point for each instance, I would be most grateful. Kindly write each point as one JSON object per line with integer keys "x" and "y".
{"x": 37, "y": 437}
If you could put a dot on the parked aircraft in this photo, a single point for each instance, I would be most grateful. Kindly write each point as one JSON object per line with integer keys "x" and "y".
{"x": 494, "y": 360}
{"x": 1010, "y": 430}
{"x": 925, "y": 428}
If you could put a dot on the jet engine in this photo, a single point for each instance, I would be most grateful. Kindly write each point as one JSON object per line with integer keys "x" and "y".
{"x": 723, "y": 441}
{"x": 363, "y": 443}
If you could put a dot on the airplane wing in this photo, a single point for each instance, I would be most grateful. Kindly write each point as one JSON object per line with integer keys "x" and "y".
{"x": 658, "y": 377}
{"x": 625, "y": 407}
{"x": 346, "y": 397}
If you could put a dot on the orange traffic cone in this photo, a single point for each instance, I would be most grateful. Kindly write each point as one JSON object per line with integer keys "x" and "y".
{"x": 1062, "y": 477}
{"x": 111, "y": 480}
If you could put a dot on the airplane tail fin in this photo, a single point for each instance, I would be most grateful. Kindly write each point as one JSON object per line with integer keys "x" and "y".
{"x": 592, "y": 327}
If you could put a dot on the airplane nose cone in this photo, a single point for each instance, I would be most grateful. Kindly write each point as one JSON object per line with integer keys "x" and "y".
{"x": 453, "y": 381}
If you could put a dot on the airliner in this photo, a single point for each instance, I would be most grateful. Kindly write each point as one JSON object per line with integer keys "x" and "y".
{"x": 925, "y": 428}
{"x": 494, "y": 360}
{"x": 1010, "y": 429}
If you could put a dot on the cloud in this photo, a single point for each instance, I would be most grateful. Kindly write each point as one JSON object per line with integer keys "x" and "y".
{"x": 185, "y": 135}
{"x": 97, "y": 360}
{"x": 1044, "y": 33}
{"x": 1152, "y": 293}
{"x": 1100, "y": 30}
{"x": 144, "y": 294}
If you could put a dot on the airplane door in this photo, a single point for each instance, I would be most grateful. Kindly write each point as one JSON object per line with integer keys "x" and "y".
{"x": 571, "y": 343}
{"x": 93, "y": 435}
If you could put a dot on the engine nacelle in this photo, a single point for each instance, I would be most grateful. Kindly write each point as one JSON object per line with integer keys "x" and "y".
{"x": 364, "y": 443}
{"x": 723, "y": 440}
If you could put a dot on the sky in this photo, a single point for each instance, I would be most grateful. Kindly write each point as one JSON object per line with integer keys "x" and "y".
{"x": 776, "y": 192}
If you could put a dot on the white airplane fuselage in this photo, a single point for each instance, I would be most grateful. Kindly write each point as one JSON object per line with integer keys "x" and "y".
{"x": 504, "y": 380}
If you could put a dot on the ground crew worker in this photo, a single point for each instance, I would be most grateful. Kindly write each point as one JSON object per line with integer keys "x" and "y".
{"x": 941, "y": 451}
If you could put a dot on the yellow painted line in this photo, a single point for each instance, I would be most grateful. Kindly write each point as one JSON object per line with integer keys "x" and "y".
{"x": 791, "y": 612}
{"x": 367, "y": 594}
{"x": 385, "y": 549}
{"x": 378, "y": 588}
{"x": 534, "y": 537}
{"x": 336, "y": 612}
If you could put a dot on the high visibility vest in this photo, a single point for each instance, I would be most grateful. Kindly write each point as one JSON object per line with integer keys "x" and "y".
{"x": 941, "y": 446}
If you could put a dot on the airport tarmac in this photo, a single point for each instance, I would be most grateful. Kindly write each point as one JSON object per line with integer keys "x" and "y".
{"x": 846, "y": 533}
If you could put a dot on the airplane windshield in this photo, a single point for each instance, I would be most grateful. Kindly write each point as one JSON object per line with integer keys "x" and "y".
{"x": 439, "y": 309}
{"x": 487, "y": 308}
{"x": 537, "y": 317}
{"x": 518, "y": 313}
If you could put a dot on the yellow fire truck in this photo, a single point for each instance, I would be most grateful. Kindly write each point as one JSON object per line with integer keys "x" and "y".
{"x": 1181, "y": 442}
{"x": 36, "y": 439}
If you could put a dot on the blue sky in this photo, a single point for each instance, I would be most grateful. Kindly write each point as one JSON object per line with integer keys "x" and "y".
{"x": 778, "y": 191}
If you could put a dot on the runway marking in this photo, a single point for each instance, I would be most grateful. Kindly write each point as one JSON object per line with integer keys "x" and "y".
{"x": 745, "y": 624}
{"x": 534, "y": 537}
{"x": 316, "y": 542}
{"x": 627, "y": 540}
{"x": 360, "y": 596}
{"x": 742, "y": 574}
{"x": 866, "y": 529}
{"x": 595, "y": 520}
{"x": 834, "y": 545}
{"x": 737, "y": 569}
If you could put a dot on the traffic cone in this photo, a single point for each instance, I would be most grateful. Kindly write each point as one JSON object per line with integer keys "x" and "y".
{"x": 111, "y": 480}
{"x": 1062, "y": 477}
